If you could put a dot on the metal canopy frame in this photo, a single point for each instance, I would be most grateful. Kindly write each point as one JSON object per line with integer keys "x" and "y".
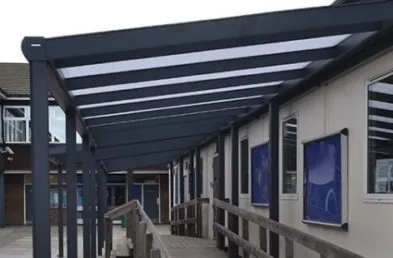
{"x": 103, "y": 98}
{"x": 146, "y": 96}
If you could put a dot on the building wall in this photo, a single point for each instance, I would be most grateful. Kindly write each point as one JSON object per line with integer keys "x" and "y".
{"x": 164, "y": 198}
{"x": 339, "y": 104}
{"x": 14, "y": 199}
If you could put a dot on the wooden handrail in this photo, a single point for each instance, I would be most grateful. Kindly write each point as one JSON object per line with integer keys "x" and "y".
{"x": 189, "y": 203}
{"x": 324, "y": 248}
{"x": 140, "y": 228}
{"x": 188, "y": 215}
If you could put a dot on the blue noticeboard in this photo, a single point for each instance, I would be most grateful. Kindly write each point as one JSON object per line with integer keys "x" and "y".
{"x": 324, "y": 172}
{"x": 260, "y": 175}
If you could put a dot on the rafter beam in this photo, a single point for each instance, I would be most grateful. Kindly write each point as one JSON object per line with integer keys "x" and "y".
{"x": 253, "y": 94}
{"x": 219, "y": 33}
{"x": 216, "y": 66}
{"x": 153, "y": 134}
{"x": 267, "y": 81}
{"x": 241, "y": 104}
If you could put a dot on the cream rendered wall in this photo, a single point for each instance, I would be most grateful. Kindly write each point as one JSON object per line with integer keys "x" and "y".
{"x": 339, "y": 104}
{"x": 207, "y": 155}
{"x": 342, "y": 104}
{"x": 186, "y": 162}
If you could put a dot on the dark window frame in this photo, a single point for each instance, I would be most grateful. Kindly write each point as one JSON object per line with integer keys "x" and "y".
{"x": 244, "y": 167}
{"x": 371, "y": 176}
{"x": 283, "y": 155}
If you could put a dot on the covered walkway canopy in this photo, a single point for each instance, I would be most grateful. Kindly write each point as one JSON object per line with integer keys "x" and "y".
{"x": 145, "y": 96}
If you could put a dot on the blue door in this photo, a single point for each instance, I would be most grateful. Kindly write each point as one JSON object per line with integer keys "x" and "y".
{"x": 29, "y": 203}
{"x": 150, "y": 201}
{"x": 137, "y": 192}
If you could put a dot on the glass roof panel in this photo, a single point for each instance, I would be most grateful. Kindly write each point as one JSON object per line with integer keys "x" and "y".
{"x": 202, "y": 56}
{"x": 184, "y": 79}
{"x": 378, "y": 129}
{"x": 381, "y": 105}
{"x": 382, "y": 88}
{"x": 174, "y": 107}
{"x": 178, "y": 95}
{"x": 381, "y": 119}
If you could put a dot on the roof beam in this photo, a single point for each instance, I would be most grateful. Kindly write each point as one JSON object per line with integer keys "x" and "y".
{"x": 229, "y": 115}
{"x": 252, "y": 96}
{"x": 239, "y": 104}
{"x": 153, "y": 134}
{"x": 130, "y": 150}
{"x": 219, "y": 33}
{"x": 130, "y": 127}
{"x": 216, "y": 66}
{"x": 188, "y": 87}
{"x": 381, "y": 112}
{"x": 141, "y": 161}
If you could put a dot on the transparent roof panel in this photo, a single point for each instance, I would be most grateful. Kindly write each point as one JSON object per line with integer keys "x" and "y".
{"x": 378, "y": 129}
{"x": 381, "y": 105}
{"x": 382, "y": 88}
{"x": 202, "y": 56}
{"x": 381, "y": 119}
{"x": 179, "y": 95}
{"x": 194, "y": 78}
{"x": 174, "y": 107}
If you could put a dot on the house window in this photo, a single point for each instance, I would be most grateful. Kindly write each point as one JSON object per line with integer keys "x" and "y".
{"x": 244, "y": 166}
{"x": 289, "y": 155}
{"x": 17, "y": 124}
{"x": 380, "y": 136}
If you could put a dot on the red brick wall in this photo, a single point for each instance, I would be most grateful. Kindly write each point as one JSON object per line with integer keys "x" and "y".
{"x": 14, "y": 199}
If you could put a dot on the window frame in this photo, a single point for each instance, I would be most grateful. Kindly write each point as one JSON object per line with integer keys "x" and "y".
{"x": 26, "y": 119}
{"x": 283, "y": 195}
{"x": 248, "y": 179}
{"x": 370, "y": 197}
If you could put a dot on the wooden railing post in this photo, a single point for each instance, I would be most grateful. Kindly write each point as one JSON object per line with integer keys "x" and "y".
{"x": 108, "y": 237}
{"x": 155, "y": 253}
{"x": 199, "y": 222}
{"x": 141, "y": 243}
{"x": 245, "y": 235}
{"x": 129, "y": 225}
{"x": 289, "y": 252}
{"x": 263, "y": 239}
{"x": 149, "y": 244}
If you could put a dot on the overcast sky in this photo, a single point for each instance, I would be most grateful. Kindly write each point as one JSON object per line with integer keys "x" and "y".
{"x": 48, "y": 18}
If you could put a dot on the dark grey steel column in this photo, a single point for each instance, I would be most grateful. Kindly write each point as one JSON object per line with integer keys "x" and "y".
{"x": 72, "y": 227}
{"x": 60, "y": 222}
{"x": 233, "y": 249}
{"x": 86, "y": 198}
{"x": 130, "y": 184}
{"x": 221, "y": 186}
{"x": 191, "y": 178}
{"x": 2, "y": 192}
{"x": 181, "y": 185}
{"x": 198, "y": 172}
{"x": 171, "y": 183}
{"x": 274, "y": 182}
{"x": 93, "y": 215}
{"x": 40, "y": 158}
{"x": 100, "y": 204}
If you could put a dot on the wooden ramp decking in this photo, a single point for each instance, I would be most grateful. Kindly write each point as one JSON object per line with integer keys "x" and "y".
{"x": 191, "y": 247}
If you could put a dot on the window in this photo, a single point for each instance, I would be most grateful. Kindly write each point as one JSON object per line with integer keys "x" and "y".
{"x": 244, "y": 166}
{"x": 17, "y": 124}
{"x": 260, "y": 175}
{"x": 289, "y": 155}
{"x": 54, "y": 198}
{"x": 380, "y": 136}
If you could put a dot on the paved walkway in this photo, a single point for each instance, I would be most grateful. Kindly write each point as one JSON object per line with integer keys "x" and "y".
{"x": 16, "y": 242}
{"x": 191, "y": 247}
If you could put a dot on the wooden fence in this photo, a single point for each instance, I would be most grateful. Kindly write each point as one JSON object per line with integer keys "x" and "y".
{"x": 291, "y": 235}
{"x": 146, "y": 241}
{"x": 187, "y": 218}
